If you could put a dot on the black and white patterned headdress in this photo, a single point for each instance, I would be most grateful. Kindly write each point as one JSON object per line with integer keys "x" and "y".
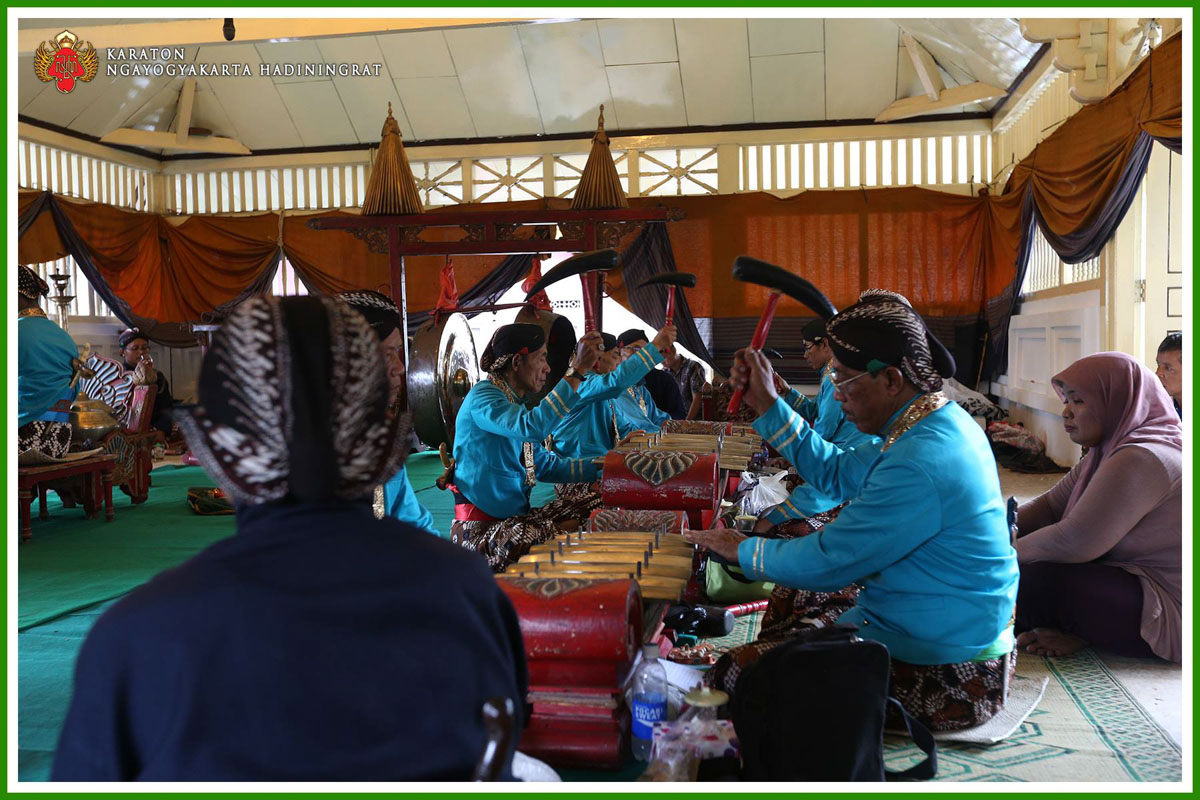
{"x": 878, "y": 333}
{"x": 293, "y": 397}
{"x": 872, "y": 295}
{"x": 30, "y": 284}
{"x": 380, "y": 311}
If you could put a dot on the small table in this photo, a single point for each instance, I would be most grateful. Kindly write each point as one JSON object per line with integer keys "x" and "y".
{"x": 98, "y": 478}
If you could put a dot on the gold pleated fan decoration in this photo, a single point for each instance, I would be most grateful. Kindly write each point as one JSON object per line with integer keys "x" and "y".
{"x": 391, "y": 188}
{"x": 599, "y": 186}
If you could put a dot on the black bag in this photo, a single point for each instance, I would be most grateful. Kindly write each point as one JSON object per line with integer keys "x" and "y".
{"x": 813, "y": 709}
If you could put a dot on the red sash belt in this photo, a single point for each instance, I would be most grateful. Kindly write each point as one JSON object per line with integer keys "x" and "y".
{"x": 467, "y": 512}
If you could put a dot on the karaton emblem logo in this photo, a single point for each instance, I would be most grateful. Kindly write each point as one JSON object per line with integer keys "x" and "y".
{"x": 65, "y": 60}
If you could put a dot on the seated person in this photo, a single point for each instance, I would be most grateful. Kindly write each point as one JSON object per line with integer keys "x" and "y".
{"x": 827, "y": 420}
{"x": 638, "y": 407}
{"x": 135, "y": 349}
{"x": 687, "y": 373}
{"x": 311, "y": 646}
{"x": 924, "y": 534}
{"x": 1102, "y": 553}
{"x": 398, "y": 501}
{"x": 46, "y": 359}
{"x": 499, "y": 454}
{"x": 590, "y": 430}
{"x": 1169, "y": 363}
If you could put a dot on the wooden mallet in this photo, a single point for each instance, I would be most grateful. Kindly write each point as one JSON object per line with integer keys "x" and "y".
{"x": 780, "y": 282}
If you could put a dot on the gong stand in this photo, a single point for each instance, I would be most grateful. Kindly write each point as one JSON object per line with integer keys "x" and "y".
{"x": 490, "y": 233}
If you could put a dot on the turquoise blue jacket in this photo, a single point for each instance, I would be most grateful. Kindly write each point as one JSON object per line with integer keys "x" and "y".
{"x": 400, "y": 502}
{"x": 630, "y": 416}
{"x": 925, "y": 534}
{"x": 44, "y": 353}
{"x": 825, "y": 415}
{"x": 489, "y": 434}
{"x": 588, "y": 432}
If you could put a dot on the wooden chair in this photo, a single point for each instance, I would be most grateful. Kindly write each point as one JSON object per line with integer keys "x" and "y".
{"x": 94, "y": 473}
{"x": 130, "y": 395}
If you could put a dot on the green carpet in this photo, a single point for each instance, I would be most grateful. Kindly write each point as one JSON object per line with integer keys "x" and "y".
{"x": 72, "y": 563}
{"x": 45, "y": 666}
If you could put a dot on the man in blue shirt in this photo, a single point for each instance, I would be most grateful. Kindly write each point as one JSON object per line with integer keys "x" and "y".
{"x": 924, "y": 534}
{"x": 637, "y": 407}
{"x": 826, "y": 417}
{"x": 590, "y": 430}
{"x": 45, "y": 366}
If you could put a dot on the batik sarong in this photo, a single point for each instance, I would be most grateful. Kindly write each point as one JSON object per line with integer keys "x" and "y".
{"x": 503, "y": 541}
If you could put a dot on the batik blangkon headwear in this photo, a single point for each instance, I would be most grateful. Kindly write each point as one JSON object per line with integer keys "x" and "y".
{"x": 293, "y": 396}
{"x": 509, "y": 341}
{"x": 872, "y": 295}
{"x": 380, "y": 311}
{"x": 30, "y": 284}
{"x": 128, "y": 335}
{"x": 877, "y": 334}
{"x": 610, "y": 341}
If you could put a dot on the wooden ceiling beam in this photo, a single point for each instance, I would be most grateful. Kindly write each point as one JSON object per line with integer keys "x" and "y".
{"x": 924, "y": 65}
{"x": 977, "y": 92}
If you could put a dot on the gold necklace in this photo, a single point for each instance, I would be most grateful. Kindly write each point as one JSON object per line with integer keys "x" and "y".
{"x": 918, "y": 410}
{"x": 31, "y": 312}
{"x": 526, "y": 447}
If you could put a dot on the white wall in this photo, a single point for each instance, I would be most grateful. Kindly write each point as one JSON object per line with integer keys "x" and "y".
{"x": 1044, "y": 339}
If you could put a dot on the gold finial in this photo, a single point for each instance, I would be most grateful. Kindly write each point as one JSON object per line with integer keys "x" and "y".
{"x": 600, "y": 122}
{"x": 389, "y": 108}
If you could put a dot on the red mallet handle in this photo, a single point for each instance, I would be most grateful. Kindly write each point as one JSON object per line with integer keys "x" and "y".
{"x": 670, "y": 304}
{"x": 589, "y": 302}
{"x": 747, "y": 608}
{"x": 760, "y": 339}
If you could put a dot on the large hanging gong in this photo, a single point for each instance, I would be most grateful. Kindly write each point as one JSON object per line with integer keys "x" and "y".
{"x": 442, "y": 369}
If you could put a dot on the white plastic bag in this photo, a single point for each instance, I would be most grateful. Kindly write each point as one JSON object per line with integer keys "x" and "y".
{"x": 765, "y": 491}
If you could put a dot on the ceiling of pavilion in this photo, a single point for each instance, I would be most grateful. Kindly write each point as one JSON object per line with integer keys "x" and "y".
{"x": 524, "y": 80}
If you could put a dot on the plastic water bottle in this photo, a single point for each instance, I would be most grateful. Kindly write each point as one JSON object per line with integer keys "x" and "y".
{"x": 649, "y": 701}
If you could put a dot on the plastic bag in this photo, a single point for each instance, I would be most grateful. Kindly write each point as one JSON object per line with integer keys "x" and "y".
{"x": 763, "y": 491}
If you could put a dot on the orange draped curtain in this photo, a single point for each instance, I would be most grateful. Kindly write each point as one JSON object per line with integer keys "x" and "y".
{"x": 950, "y": 254}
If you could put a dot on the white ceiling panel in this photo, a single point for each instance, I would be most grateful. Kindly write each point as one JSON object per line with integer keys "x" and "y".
{"x": 567, "y": 70}
{"x": 57, "y": 108}
{"x": 637, "y": 41}
{"x": 495, "y": 80}
{"x": 777, "y": 37}
{"x": 317, "y": 112}
{"x": 436, "y": 108}
{"x": 421, "y": 54}
{"x": 551, "y": 77}
{"x": 789, "y": 88}
{"x": 252, "y": 103}
{"x": 207, "y": 112}
{"x": 281, "y": 54}
{"x": 29, "y": 85}
{"x": 365, "y": 99}
{"x": 129, "y": 100}
{"x": 714, "y": 63}
{"x": 860, "y": 67}
{"x": 647, "y": 96}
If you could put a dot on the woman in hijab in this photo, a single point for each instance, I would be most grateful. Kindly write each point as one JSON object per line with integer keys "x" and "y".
{"x": 919, "y": 559}
{"x": 318, "y": 643}
{"x": 396, "y": 497}
{"x": 1101, "y": 553}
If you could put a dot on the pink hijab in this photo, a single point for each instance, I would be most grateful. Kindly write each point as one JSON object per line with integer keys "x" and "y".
{"x": 1132, "y": 405}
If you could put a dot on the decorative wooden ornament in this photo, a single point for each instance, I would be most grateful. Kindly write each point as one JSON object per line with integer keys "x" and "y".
{"x": 599, "y": 186}
{"x": 391, "y": 189}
